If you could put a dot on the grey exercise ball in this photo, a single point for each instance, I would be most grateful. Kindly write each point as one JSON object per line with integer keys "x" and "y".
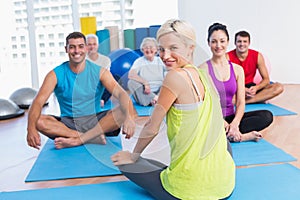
{"x": 23, "y": 97}
{"x": 8, "y": 109}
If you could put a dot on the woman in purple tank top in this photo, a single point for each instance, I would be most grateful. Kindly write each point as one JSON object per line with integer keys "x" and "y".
{"x": 229, "y": 81}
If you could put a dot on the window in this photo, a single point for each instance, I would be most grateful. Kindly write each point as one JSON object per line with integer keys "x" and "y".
{"x": 55, "y": 9}
{"x": 64, "y": 7}
{"x": 45, "y": 9}
{"x": 55, "y": 18}
{"x": 61, "y": 36}
{"x": 41, "y": 37}
{"x": 61, "y": 44}
{"x": 51, "y": 36}
{"x": 53, "y": 21}
{"x": 45, "y": 18}
{"x": 18, "y": 21}
{"x": 65, "y": 16}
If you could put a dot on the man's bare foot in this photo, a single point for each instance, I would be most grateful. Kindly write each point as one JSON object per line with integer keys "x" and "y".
{"x": 253, "y": 135}
{"x": 62, "y": 142}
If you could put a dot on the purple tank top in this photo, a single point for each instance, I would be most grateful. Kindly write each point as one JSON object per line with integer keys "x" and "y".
{"x": 226, "y": 89}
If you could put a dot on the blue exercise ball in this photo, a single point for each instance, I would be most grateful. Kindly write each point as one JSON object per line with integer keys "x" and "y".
{"x": 121, "y": 62}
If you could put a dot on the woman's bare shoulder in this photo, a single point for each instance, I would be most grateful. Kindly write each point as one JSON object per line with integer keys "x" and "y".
{"x": 203, "y": 66}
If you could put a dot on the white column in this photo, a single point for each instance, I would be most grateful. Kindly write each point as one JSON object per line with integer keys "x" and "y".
{"x": 32, "y": 44}
{"x": 75, "y": 15}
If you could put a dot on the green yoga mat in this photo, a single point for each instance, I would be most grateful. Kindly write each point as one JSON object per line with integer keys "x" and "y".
{"x": 129, "y": 39}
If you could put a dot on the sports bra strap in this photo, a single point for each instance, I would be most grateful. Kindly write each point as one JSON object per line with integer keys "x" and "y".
{"x": 193, "y": 83}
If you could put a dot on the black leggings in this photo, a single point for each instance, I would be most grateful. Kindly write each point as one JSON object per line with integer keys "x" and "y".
{"x": 146, "y": 174}
{"x": 253, "y": 121}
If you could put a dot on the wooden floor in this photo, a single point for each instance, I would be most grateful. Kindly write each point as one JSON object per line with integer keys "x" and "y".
{"x": 16, "y": 158}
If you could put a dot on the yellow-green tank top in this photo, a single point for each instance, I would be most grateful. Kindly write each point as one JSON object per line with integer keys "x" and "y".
{"x": 200, "y": 167}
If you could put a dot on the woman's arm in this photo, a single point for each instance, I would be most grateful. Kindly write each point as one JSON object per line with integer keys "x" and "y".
{"x": 240, "y": 103}
{"x": 168, "y": 95}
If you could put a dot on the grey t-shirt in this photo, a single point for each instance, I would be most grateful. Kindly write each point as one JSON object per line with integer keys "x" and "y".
{"x": 152, "y": 71}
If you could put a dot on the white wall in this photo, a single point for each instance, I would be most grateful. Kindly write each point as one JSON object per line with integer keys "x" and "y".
{"x": 273, "y": 24}
{"x": 154, "y": 12}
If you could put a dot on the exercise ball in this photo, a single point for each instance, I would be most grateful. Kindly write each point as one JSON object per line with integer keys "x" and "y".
{"x": 121, "y": 62}
{"x": 8, "y": 109}
{"x": 257, "y": 78}
{"x": 23, "y": 97}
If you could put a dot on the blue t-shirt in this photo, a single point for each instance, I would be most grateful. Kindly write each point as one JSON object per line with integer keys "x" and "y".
{"x": 78, "y": 94}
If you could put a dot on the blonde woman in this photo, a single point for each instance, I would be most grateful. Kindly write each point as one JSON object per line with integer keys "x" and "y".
{"x": 201, "y": 167}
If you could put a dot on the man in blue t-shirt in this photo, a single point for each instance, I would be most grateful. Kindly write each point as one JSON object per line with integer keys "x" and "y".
{"x": 78, "y": 85}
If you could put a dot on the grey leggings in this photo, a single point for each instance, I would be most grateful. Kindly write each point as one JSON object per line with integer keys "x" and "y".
{"x": 137, "y": 91}
{"x": 146, "y": 174}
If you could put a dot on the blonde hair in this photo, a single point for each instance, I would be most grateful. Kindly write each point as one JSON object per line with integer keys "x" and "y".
{"x": 181, "y": 28}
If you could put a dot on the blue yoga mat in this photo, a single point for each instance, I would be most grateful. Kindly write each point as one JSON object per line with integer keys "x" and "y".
{"x": 88, "y": 160}
{"x": 153, "y": 30}
{"x": 276, "y": 110}
{"x": 261, "y": 152}
{"x": 123, "y": 190}
{"x": 140, "y": 34}
{"x": 274, "y": 182}
{"x": 104, "y": 41}
{"x": 141, "y": 110}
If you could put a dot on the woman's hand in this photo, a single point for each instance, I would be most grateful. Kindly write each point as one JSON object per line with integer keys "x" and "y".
{"x": 234, "y": 133}
{"x": 124, "y": 157}
{"x": 226, "y": 126}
